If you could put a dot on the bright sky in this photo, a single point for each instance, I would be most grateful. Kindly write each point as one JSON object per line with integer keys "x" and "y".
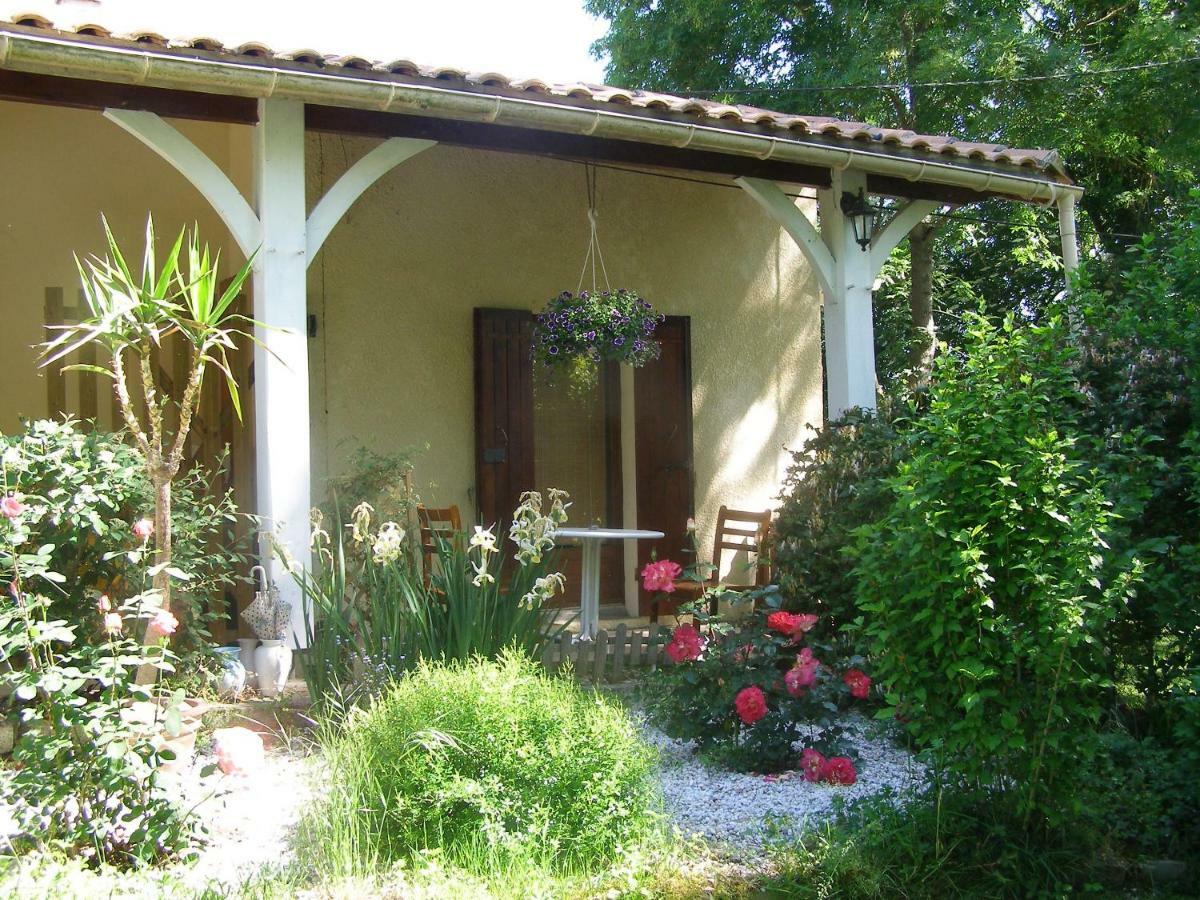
{"x": 548, "y": 39}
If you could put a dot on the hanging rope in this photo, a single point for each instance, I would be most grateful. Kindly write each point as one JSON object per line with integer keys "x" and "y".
{"x": 593, "y": 252}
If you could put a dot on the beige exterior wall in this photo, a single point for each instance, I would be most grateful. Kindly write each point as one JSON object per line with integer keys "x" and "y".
{"x": 395, "y": 285}
{"x": 63, "y": 168}
{"x": 453, "y": 229}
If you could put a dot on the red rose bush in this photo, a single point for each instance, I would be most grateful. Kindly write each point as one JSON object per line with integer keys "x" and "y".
{"x": 759, "y": 692}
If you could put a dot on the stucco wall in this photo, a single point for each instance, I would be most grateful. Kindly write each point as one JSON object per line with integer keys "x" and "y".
{"x": 396, "y": 282}
{"x": 62, "y": 169}
{"x": 453, "y": 229}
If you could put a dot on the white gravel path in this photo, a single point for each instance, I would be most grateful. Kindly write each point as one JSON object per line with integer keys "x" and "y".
{"x": 741, "y": 811}
{"x": 250, "y": 818}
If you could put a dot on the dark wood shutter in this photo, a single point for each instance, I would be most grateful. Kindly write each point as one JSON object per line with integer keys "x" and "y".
{"x": 503, "y": 412}
{"x": 665, "y": 465}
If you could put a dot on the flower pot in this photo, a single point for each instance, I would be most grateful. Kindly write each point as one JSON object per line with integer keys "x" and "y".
{"x": 273, "y": 664}
{"x": 232, "y": 679}
{"x": 246, "y": 657}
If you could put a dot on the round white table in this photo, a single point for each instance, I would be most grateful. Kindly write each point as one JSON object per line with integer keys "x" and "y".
{"x": 589, "y": 587}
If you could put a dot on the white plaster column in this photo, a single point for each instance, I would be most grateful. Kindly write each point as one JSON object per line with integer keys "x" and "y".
{"x": 629, "y": 488}
{"x": 849, "y": 333}
{"x": 281, "y": 424}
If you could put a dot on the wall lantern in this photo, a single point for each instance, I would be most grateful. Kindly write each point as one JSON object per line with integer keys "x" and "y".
{"x": 861, "y": 215}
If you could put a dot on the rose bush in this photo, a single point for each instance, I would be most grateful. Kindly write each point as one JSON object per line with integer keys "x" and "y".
{"x": 747, "y": 691}
{"x": 86, "y": 779}
{"x": 87, "y": 494}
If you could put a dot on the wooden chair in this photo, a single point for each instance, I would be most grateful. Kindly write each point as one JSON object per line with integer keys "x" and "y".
{"x": 437, "y": 526}
{"x": 739, "y": 531}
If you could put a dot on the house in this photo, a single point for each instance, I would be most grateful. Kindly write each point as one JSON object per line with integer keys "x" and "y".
{"x": 409, "y": 219}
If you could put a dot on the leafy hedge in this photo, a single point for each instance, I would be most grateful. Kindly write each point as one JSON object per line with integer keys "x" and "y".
{"x": 1139, "y": 372}
{"x": 980, "y": 585}
{"x": 834, "y": 484}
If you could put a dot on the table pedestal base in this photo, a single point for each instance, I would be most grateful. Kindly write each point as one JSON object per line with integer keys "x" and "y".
{"x": 589, "y": 592}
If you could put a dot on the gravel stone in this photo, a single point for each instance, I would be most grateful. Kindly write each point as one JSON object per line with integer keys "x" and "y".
{"x": 741, "y": 811}
{"x": 251, "y": 818}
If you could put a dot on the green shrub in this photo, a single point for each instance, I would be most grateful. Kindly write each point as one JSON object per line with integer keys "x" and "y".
{"x": 696, "y": 698}
{"x": 980, "y": 586}
{"x": 86, "y": 779}
{"x": 834, "y": 485}
{"x": 484, "y": 762}
{"x": 944, "y": 843}
{"x": 85, "y": 488}
{"x": 1139, "y": 369}
{"x": 1143, "y": 796}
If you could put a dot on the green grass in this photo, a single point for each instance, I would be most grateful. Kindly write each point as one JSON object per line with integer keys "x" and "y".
{"x": 490, "y": 765}
{"x": 953, "y": 844}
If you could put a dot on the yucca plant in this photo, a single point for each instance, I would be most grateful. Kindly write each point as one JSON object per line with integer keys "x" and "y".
{"x": 130, "y": 316}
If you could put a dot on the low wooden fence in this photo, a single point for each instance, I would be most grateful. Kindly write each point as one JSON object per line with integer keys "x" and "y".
{"x": 612, "y": 655}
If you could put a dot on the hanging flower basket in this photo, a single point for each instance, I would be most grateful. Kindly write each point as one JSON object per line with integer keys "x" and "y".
{"x": 596, "y": 326}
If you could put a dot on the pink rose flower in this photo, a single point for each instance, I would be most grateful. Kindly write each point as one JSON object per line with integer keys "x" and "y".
{"x": 686, "y": 644}
{"x": 792, "y": 681}
{"x": 661, "y": 575}
{"x": 811, "y": 764}
{"x": 858, "y": 682}
{"x": 162, "y": 624}
{"x": 113, "y": 623}
{"x": 805, "y": 669}
{"x": 750, "y": 704}
{"x": 11, "y": 507}
{"x": 803, "y": 624}
{"x": 103, "y": 604}
{"x": 838, "y": 770}
{"x": 795, "y": 625}
{"x": 142, "y": 529}
{"x": 239, "y": 751}
{"x": 781, "y": 621}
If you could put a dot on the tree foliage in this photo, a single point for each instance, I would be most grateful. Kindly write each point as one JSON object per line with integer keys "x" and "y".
{"x": 1139, "y": 369}
{"x": 1127, "y": 136}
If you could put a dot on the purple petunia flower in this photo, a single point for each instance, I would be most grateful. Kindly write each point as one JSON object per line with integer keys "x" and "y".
{"x": 553, "y": 350}
{"x": 618, "y": 340}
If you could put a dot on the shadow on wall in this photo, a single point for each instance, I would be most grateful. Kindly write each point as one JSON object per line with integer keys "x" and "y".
{"x": 452, "y": 229}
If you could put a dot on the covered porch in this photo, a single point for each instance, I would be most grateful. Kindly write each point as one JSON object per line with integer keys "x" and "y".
{"x": 407, "y": 222}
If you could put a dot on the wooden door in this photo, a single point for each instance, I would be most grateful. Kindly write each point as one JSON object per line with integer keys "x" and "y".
{"x": 503, "y": 413}
{"x": 665, "y": 469}
{"x": 531, "y": 434}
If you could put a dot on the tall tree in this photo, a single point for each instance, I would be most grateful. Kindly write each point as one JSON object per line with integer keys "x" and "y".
{"x": 1129, "y": 136}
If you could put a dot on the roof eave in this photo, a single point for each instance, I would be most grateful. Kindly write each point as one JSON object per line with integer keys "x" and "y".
{"x": 29, "y": 50}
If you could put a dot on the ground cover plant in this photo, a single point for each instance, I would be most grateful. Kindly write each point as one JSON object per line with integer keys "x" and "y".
{"x": 486, "y": 763}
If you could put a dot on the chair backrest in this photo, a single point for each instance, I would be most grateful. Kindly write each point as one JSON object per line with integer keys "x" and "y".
{"x": 437, "y": 525}
{"x": 741, "y": 531}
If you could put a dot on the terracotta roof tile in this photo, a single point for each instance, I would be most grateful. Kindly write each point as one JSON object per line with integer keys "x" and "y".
{"x": 720, "y": 115}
